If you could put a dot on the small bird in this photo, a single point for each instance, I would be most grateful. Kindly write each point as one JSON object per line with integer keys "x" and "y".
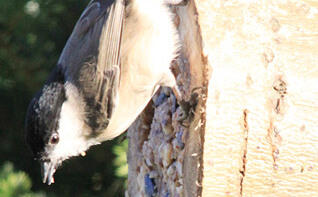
{"x": 116, "y": 58}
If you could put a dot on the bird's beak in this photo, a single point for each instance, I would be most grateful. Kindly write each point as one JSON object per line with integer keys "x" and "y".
{"x": 48, "y": 169}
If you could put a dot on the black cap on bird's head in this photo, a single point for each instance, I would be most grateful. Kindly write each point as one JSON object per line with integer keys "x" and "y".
{"x": 55, "y": 126}
{"x": 42, "y": 122}
{"x": 42, "y": 118}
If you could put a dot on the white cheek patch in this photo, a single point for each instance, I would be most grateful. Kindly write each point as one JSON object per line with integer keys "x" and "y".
{"x": 72, "y": 139}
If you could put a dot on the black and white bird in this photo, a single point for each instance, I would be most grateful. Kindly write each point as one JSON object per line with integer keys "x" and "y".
{"x": 117, "y": 56}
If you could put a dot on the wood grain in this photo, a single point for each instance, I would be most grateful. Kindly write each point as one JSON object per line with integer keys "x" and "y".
{"x": 261, "y": 135}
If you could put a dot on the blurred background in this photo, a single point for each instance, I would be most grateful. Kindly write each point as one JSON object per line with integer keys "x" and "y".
{"x": 32, "y": 36}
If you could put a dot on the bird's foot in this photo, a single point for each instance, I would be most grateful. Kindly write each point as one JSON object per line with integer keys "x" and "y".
{"x": 188, "y": 106}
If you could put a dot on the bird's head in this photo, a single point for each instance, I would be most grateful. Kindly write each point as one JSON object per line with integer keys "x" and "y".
{"x": 55, "y": 128}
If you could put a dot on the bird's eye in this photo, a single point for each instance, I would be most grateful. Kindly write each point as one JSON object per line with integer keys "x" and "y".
{"x": 54, "y": 139}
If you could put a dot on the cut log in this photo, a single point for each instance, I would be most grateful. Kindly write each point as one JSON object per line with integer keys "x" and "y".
{"x": 262, "y": 110}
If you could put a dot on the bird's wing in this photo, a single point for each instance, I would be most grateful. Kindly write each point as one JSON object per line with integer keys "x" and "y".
{"x": 91, "y": 58}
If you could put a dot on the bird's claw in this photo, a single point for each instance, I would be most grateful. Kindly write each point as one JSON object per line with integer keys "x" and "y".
{"x": 188, "y": 107}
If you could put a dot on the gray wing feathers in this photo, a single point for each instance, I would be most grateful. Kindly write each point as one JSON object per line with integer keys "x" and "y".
{"x": 111, "y": 35}
{"x": 97, "y": 33}
{"x": 109, "y": 55}
{"x": 89, "y": 17}
{"x": 91, "y": 57}
{"x": 110, "y": 42}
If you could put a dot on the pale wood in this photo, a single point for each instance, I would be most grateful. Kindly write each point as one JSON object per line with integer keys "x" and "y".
{"x": 261, "y": 136}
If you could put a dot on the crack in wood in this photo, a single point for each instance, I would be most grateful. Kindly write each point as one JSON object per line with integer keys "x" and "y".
{"x": 243, "y": 168}
{"x": 280, "y": 87}
{"x": 273, "y": 137}
{"x": 274, "y": 140}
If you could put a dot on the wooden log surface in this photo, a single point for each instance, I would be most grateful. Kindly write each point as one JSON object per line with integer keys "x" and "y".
{"x": 261, "y": 135}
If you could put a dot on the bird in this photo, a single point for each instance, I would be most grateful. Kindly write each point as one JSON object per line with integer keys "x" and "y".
{"x": 114, "y": 61}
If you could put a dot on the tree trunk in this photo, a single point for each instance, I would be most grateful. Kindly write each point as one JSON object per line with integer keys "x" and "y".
{"x": 255, "y": 129}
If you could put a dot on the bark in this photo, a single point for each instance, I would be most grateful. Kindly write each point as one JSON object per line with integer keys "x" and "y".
{"x": 254, "y": 132}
